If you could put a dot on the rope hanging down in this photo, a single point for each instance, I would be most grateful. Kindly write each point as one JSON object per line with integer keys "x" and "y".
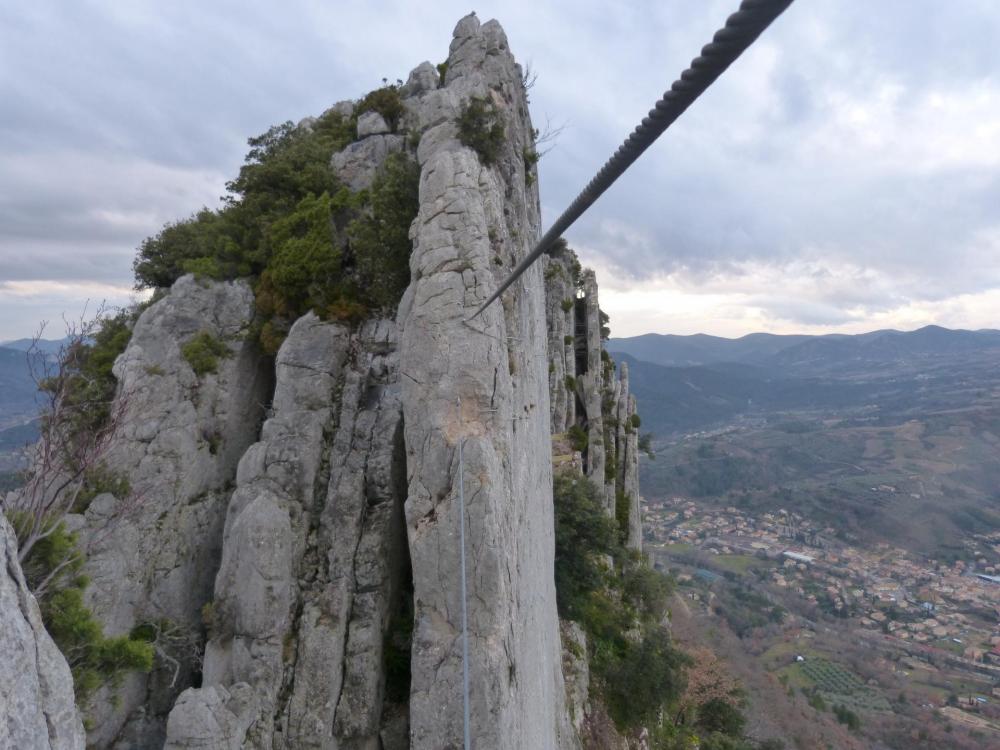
{"x": 465, "y": 612}
{"x": 741, "y": 30}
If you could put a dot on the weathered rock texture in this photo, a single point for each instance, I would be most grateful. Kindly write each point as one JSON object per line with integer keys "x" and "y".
{"x": 561, "y": 277}
{"x": 183, "y": 436}
{"x": 313, "y": 556}
{"x": 585, "y": 392}
{"x": 308, "y": 541}
{"x": 482, "y": 384}
{"x": 37, "y": 711}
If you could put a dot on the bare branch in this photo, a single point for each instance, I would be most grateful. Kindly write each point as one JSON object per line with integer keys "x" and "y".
{"x": 80, "y": 417}
{"x": 547, "y": 136}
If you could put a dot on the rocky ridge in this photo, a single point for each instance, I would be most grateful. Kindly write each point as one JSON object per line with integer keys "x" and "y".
{"x": 298, "y": 517}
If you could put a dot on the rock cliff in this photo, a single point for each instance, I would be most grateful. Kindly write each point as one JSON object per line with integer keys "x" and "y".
{"x": 297, "y": 521}
{"x": 37, "y": 711}
{"x": 588, "y": 398}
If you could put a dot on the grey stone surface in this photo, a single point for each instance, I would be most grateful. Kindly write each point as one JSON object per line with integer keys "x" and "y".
{"x": 372, "y": 123}
{"x": 631, "y": 482}
{"x": 210, "y": 719}
{"x": 37, "y": 709}
{"x": 591, "y": 383}
{"x": 561, "y": 323}
{"x": 358, "y": 163}
{"x": 296, "y": 530}
{"x": 483, "y": 384}
{"x": 423, "y": 78}
{"x": 182, "y": 437}
{"x": 576, "y": 671}
{"x": 344, "y": 108}
{"x": 313, "y": 551}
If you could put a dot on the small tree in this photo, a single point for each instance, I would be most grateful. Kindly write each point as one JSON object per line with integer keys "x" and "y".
{"x": 80, "y": 416}
{"x": 82, "y": 413}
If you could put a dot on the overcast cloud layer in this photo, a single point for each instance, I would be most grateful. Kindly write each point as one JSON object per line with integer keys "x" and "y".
{"x": 844, "y": 175}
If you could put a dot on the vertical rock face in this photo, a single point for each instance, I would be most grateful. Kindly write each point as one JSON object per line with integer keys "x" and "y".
{"x": 183, "y": 434}
{"x": 313, "y": 556}
{"x": 591, "y": 383}
{"x": 300, "y": 516}
{"x": 483, "y": 384}
{"x": 560, "y": 271}
{"x": 37, "y": 711}
{"x": 600, "y": 403}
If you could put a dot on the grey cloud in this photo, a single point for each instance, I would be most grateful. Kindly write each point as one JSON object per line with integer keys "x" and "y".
{"x": 122, "y": 116}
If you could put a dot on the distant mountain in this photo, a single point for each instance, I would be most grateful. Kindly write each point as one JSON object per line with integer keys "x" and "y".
{"x": 701, "y": 349}
{"x": 17, "y": 389}
{"x": 682, "y": 399}
{"x": 48, "y": 346}
{"x": 763, "y": 375}
{"x": 810, "y": 355}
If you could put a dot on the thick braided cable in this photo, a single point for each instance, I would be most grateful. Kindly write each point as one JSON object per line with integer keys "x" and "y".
{"x": 741, "y": 30}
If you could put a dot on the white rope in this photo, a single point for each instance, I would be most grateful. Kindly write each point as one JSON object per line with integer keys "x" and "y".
{"x": 465, "y": 613}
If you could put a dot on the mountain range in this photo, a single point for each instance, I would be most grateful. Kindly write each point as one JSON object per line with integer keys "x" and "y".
{"x": 686, "y": 383}
{"x": 804, "y": 354}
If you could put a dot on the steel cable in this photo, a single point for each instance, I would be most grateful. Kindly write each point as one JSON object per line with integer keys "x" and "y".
{"x": 741, "y": 30}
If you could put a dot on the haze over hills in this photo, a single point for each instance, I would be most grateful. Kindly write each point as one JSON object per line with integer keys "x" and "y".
{"x": 696, "y": 382}
{"x": 808, "y": 354}
{"x": 814, "y": 423}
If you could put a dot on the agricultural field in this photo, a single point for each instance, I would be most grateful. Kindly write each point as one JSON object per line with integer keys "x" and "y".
{"x": 837, "y": 685}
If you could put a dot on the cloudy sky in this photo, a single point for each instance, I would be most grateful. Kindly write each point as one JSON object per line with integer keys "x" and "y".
{"x": 844, "y": 175}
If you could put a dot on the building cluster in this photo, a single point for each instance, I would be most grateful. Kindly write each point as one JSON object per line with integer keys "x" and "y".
{"x": 950, "y": 606}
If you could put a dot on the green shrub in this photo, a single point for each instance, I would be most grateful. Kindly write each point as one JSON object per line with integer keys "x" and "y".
{"x": 55, "y": 563}
{"x": 634, "y": 421}
{"x": 386, "y": 101}
{"x": 578, "y": 436}
{"x": 93, "y": 658}
{"x": 623, "y": 510}
{"x": 284, "y": 166}
{"x": 206, "y": 245}
{"x": 204, "y": 268}
{"x": 202, "y": 352}
{"x": 305, "y": 264}
{"x": 568, "y": 340}
{"x": 605, "y": 329}
{"x": 566, "y": 304}
{"x": 649, "y": 675}
{"x": 719, "y": 715}
{"x": 442, "y": 69}
{"x": 530, "y": 157}
{"x": 846, "y": 716}
{"x": 481, "y": 129}
{"x": 379, "y": 238}
{"x": 584, "y": 536}
{"x": 646, "y": 591}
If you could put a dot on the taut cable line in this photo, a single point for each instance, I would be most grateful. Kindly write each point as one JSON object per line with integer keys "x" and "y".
{"x": 741, "y": 30}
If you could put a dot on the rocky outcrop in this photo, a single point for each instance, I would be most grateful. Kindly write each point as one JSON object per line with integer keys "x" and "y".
{"x": 183, "y": 435}
{"x": 357, "y": 164}
{"x": 313, "y": 556}
{"x": 561, "y": 271}
{"x": 482, "y": 385}
{"x": 576, "y": 672}
{"x": 37, "y": 710}
{"x": 299, "y": 517}
{"x": 627, "y": 458}
{"x": 584, "y": 390}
